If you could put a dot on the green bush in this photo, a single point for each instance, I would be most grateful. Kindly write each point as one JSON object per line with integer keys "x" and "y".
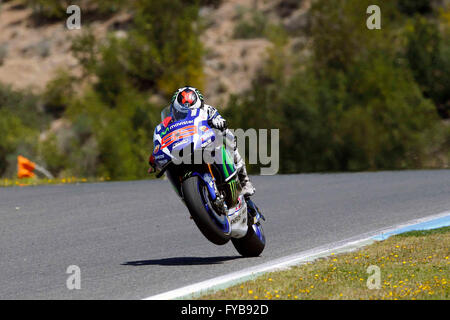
{"x": 54, "y": 158}
{"x": 48, "y": 9}
{"x": 354, "y": 105}
{"x": 21, "y": 119}
{"x": 25, "y": 105}
{"x": 58, "y": 92}
{"x": 55, "y": 10}
{"x": 251, "y": 24}
{"x": 412, "y": 7}
{"x": 161, "y": 52}
{"x": 428, "y": 56}
{"x": 164, "y": 48}
{"x": 16, "y": 138}
{"x": 110, "y": 141}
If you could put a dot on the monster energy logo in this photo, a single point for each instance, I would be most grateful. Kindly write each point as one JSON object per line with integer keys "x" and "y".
{"x": 199, "y": 94}
{"x": 174, "y": 96}
{"x": 227, "y": 164}
{"x": 234, "y": 188}
{"x": 187, "y": 175}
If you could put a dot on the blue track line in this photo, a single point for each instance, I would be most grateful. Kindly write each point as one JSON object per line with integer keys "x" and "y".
{"x": 427, "y": 225}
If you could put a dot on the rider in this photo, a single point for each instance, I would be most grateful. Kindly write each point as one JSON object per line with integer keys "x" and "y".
{"x": 191, "y": 98}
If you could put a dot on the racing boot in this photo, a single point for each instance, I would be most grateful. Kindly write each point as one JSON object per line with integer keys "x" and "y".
{"x": 247, "y": 187}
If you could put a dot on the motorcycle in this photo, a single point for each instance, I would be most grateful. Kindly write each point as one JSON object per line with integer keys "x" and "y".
{"x": 196, "y": 161}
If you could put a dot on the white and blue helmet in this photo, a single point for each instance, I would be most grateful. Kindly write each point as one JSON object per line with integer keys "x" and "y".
{"x": 185, "y": 99}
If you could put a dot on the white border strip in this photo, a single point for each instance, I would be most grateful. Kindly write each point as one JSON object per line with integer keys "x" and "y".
{"x": 224, "y": 281}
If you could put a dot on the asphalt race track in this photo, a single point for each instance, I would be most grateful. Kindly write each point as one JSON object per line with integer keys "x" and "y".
{"x": 132, "y": 240}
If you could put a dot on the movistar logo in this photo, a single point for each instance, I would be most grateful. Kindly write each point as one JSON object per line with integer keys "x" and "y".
{"x": 164, "y": 132}
{"x": 182, "y": 123}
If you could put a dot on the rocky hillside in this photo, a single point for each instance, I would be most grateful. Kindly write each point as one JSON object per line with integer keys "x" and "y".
{"x": 346, "y": 98}
{"x": 31, "y": 52}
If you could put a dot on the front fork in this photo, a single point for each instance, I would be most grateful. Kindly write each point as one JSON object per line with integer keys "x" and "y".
{"x": 254, "y": 212}
{"x": 217, "y": 198}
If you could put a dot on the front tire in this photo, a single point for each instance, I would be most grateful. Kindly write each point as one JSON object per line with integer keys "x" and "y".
{"x": 211, "y": 225}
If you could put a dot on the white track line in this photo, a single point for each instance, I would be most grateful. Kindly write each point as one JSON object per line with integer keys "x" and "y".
{"x": 224, "y": 281}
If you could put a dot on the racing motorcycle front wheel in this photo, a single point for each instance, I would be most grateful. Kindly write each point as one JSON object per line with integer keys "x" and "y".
{"x": 215, "y": 227}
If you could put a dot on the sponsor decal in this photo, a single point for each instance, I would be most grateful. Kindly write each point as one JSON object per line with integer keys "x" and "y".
{"x": 208, "y": 180}
{"x": 174, "y": 136}
{"x": 205, "y": 143}
{"x": 163, "y": 133}
{"x": 182, "y": 123}
{"x": 206, "y": 136}
{"x": 237, "y": 215}
{"x": 155, "y": 151}
{"x": 238, "y": 218}
{"x": 234, "y": 189}
{"x": 238, "y": 207}
{"x": 180, "y": 142}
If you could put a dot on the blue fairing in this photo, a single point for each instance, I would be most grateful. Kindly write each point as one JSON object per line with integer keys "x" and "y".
{"x": 177, "y": 135}
{"x": 207, "y": 179}
{"x": 251, "y": 207}
{"x": 180, "y": 134}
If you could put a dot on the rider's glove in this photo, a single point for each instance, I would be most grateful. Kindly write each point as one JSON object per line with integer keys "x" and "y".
{"x": 151, "y": 162}
{"x": 219, "y": 123}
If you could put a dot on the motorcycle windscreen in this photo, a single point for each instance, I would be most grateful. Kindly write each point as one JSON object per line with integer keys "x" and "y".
{"x": 165, "y": 113}
{"x": 177, "y": 114}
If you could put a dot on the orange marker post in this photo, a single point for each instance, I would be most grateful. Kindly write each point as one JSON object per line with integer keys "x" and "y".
{"x": 25, "y": 168}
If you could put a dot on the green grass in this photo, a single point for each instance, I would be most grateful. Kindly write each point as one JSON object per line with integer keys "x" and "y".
{"x": 420, "y": 233}
{"x": 414, "y": 265}
{"x": 39, "y": 181}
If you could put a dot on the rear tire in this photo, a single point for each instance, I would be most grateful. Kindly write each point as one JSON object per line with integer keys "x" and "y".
{"x": 250, "y": 245}
{"x": 192, "y": 188}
